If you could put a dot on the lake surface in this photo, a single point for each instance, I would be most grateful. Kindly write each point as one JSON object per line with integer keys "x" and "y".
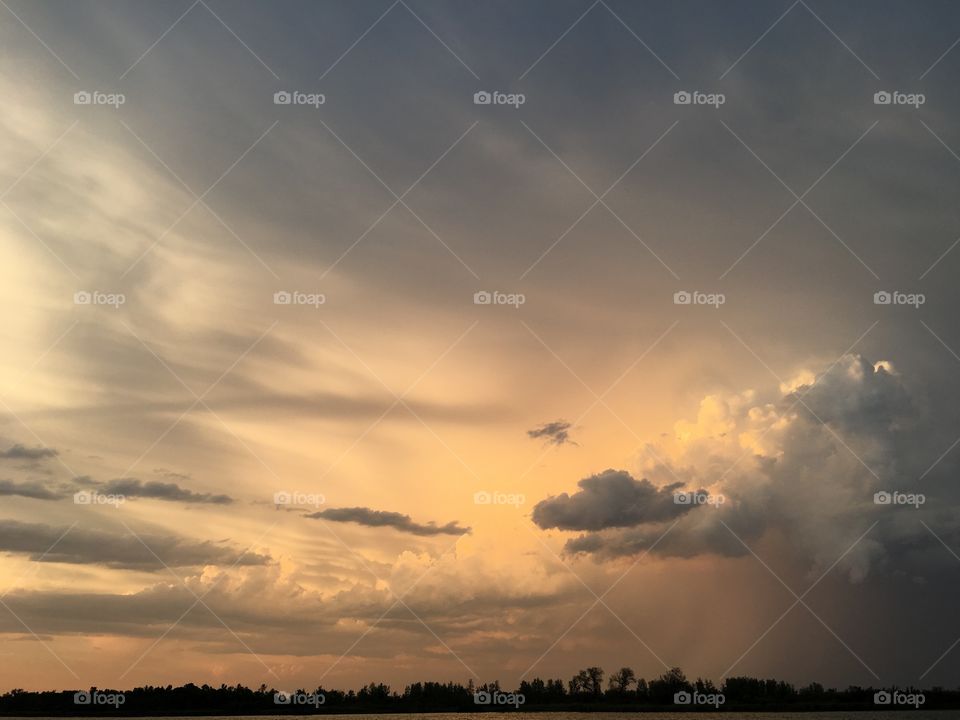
{"x": 864, "y": 715}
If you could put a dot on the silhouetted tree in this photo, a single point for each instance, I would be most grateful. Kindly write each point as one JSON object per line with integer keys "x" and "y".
{"x": 664, "y": 687}
{"x": 555, "y": 689}
{"x": 621, "y": 680}
{"x": 643, "y": 692}
{"x": 578, "y": 683}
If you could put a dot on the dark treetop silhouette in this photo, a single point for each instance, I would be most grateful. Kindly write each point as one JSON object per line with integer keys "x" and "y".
{"x": 585, "y": 691}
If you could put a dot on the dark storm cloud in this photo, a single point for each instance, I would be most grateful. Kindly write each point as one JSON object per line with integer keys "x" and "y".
{"x": 27, "y": 489}
{"x": 859, "y": 429}
{"x": 609, "y": 499}
{"x": 132, "y": 487}
{"x": 83, "y": 546}
{"x": 879, "y": 403}
{"x": 21, "y": 452}
{"x": 395, "y": 520}
{"x": 684, "y": 540}
{"x": 555, "y": 433}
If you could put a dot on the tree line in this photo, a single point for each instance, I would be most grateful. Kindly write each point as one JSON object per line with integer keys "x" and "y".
{"x": 623, "y": 690}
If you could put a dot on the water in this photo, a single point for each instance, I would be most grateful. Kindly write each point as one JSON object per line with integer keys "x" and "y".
{"x": 863, "y": 715}
{"x": 842, "y": 715}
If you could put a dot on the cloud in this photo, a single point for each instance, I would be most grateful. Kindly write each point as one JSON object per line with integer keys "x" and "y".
{"x": 278, "y": 609}
{"x": 556, "y": 432}
{"x": 27, "y": 489}
{"x": 381, "y": 518}
{"x": 172, "y": 474}
{"x": 609, "y": 499}
{"x": 801, "y": 462}
{"x": 127, "y": 487}
{"x": 696, "y": 534}
{"x": 21, "y": 452}
{"x": 132, "y": 487}
{"x": 82, "y": 546}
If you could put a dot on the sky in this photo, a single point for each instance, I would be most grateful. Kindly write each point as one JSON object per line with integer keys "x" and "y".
{"x": 387, "y": 383}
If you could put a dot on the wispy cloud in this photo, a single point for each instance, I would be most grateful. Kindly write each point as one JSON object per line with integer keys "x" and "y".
{"x": 156, "y": 490}
{"x": 84, "y": 546}
{"x": 28, "y": 489}
{"x": 22, "y": 452}
{"x": 555, "y": 433}
{"x": 383, "y": 518}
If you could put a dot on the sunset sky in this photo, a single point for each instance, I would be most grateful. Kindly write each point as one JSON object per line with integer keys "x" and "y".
{"x": 483, "y": 491}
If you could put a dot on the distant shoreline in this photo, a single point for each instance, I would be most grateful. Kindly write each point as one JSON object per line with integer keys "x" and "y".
{"x": 585, "y": 710}
{"x": 584, "y": 694}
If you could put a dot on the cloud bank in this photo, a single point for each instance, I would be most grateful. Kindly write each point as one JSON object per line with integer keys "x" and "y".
{"x": 804, "y": 464}
{"x": 83, "y": 546}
